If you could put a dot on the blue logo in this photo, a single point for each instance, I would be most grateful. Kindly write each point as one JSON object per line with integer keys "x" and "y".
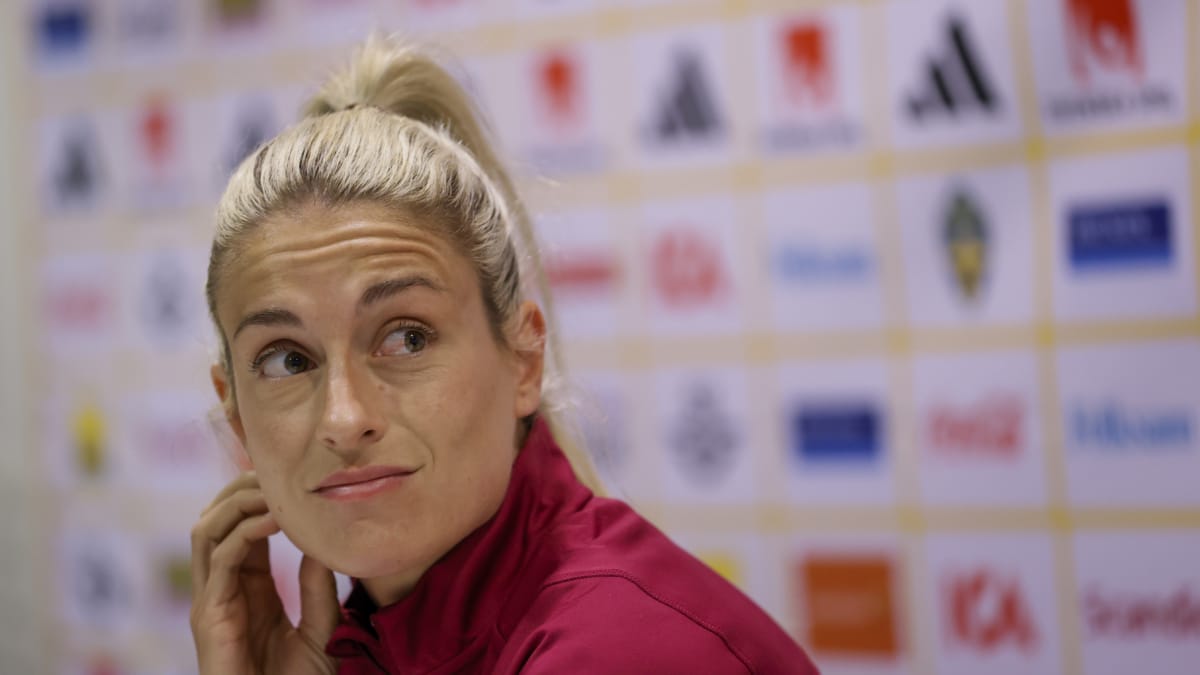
{"x": 809, "y": 264}
{"x": 1112, "y": 428}
{"x": 835, "y": 433}
{"x": 63, "y": 29}
{"x": 1126, "y": 234}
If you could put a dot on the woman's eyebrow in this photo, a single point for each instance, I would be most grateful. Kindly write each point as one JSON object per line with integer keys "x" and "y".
{"x": 268, "y": 317}
{"x": 386, "y": 289}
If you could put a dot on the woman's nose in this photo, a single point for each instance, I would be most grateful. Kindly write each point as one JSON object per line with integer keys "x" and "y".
{"x": 350, "y": 421}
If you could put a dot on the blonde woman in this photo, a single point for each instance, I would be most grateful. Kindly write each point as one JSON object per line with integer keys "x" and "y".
{"x": 385, "y": 368}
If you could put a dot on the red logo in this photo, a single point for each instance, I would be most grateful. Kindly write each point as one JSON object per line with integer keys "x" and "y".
{"x": 687, "y": 269}
{"x": 581, "y": 272}
{"x": 807, "y": 64}
{"x": 990, "y": 428}
{"x": 557, "y": 79}
{"x": 157, "y": 133}
{"x": 78, "y": 308}
{"x": 1130, "y": 615}
{"x": 987, "y": 612}
{"x": 1102, "y": 33}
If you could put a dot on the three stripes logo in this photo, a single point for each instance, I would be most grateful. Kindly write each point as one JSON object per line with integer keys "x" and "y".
{"x": 955, "y": 81}
{"x": 687, "y": 109}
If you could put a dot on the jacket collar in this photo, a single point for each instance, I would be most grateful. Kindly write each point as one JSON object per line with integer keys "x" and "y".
{"x": 460, "y": 598}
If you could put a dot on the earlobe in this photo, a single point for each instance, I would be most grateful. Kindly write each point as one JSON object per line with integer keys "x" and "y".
{"x": 531, "y": 355}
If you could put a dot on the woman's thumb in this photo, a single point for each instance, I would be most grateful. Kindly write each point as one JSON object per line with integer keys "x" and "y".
{"x": 318, "y": 599}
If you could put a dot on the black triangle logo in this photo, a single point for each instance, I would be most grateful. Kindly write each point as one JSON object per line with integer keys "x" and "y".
{"x": 687, "y": 110}
{"x": 76, "y": 173}
{"x": 954, "y": 82}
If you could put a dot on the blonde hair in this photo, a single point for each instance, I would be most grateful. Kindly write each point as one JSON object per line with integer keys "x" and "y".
{"x": 395, "y": 128}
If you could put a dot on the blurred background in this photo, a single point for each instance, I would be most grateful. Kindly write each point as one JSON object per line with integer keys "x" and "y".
{"x": 885, "y": 309}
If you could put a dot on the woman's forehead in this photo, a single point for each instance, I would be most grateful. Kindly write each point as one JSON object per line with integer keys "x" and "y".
{"x": 333, "y": 251}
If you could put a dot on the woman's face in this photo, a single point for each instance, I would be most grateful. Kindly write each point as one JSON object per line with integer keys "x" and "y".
{"x": 359, "y": 341}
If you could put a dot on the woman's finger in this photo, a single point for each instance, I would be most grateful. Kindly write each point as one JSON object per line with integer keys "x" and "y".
{"x": 214, "y": 526}
{"x": 319, "y": 607}
{"x": 226, "y": 563}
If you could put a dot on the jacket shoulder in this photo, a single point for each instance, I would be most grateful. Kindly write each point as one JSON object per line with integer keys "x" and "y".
{"x": 604, "y": 621}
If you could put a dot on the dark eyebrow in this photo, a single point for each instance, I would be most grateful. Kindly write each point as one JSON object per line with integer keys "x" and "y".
{"x": 386, "y": 289}
{"x": 268, "y": 317}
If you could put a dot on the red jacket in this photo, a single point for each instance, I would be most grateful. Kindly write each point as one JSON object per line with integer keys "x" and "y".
{"x": 561, "y": 581}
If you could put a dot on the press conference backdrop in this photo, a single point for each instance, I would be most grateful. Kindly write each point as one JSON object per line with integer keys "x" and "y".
{"x": 886, "y": 310}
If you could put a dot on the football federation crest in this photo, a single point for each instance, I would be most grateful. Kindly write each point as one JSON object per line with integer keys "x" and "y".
{"x": 965, "y": 237}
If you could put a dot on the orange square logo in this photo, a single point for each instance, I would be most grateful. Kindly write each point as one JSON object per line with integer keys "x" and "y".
{"x": 848, "y": 602}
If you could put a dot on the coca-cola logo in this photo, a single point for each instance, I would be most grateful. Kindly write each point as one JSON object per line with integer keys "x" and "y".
{"x": 991, "y": 427}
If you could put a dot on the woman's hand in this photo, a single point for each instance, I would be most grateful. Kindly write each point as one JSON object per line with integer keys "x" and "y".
{"x": 238, "y": 622}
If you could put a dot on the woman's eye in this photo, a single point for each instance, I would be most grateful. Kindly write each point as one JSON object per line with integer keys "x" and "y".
{"x": 404, "y": 341}
{"x": 285, "y": 362}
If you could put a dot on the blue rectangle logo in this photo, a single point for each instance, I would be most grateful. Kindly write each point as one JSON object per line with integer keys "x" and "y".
{"x": 829, "y": 433}
{"x": 1128, "y": 234}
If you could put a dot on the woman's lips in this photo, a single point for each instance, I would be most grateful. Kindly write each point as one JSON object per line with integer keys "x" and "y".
{"x": 362, "y": 483}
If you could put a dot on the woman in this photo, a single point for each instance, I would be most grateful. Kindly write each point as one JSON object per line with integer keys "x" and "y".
{"x": 385, "y": 371}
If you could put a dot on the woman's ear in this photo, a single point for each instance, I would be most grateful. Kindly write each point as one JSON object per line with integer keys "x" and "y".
{"x": 530, "y": 346}
{"x": 224, "y": 389}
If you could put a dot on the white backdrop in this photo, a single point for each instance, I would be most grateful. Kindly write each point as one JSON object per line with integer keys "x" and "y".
{"x": 886, "y": 309}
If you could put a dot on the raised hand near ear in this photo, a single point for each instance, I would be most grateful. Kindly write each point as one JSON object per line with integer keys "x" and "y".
{"x": 238, "y": 621}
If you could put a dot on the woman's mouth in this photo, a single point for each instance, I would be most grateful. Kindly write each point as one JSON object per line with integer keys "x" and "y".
{"x": 354, "y": 484}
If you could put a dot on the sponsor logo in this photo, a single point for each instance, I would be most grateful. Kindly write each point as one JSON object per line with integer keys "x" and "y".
{"x": 175, "y": 580}
{"x": 989, "y": 428}
{"x": 848, "y": 602}
{"x": 89, "y": 435}
{"x": 97, "y": 587}
{"x": 77, "y": 307}
{"x": 836, "y": 433}
{"x": 166, "y": 308}
{"x": 148, "y": 21}
{"x": 1126, "y": 234}
{"x": 687, "y": 271}
{"x": 254, "y": 124}
{"x": 156, "y": 133}
{"x": 172, "y": 443}
{"x": 63, "y": 28}
{"x": 987, "y": 612}
{"x": 1134, "y": 615}
{"x": 704, "y": 441}
{"x": 807, "y": 107}
{"x": 1107, "y": 64}
{"x": 965, "y": 237}
{"x": 799, "y": 263}
{"x": 687, "y": 109}
{"x": 238, "y": 13}
{"x": 808, "y": 69}
{"x": 564, "y": 140}
{"x": 75, "y": 172}
{"x": 955, "y": 82}
{"x": 1112, "y": 427}
{"x": 1102, "y": 33}
{"x": 581, "y": 272}
{"x": 559, "y": 95}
